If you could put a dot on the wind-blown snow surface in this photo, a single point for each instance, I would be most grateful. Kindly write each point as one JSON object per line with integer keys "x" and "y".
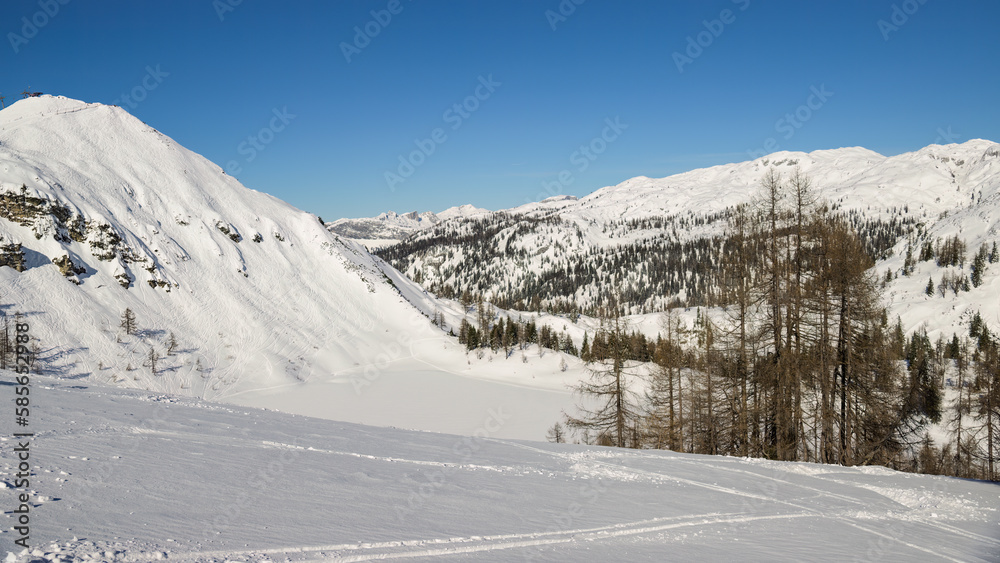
{"x": 123, "y": 475}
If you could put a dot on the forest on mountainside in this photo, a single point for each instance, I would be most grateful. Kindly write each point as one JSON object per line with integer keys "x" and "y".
{"x": 531, "y": 263}
{"x": 796, "y": 360}
{"x": 803, "y": 365}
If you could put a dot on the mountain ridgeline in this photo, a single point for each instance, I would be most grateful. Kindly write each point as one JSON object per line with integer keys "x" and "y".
{"x": 656, "y": 244}
{"x": 528, "y": 262}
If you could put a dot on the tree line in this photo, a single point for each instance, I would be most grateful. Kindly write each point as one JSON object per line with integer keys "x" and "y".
{"x": 490, "y": 330}
{"x": 801, "y": 364}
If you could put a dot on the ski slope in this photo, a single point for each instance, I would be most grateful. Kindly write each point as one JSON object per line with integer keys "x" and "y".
{"x": 128, "y": 475}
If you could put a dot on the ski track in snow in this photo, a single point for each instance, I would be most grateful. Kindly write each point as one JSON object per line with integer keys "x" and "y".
{"x": 719, "y": 499}
{"x": 807, "y": 511}
{"x": 391, "y": 549}
{"x": 437, "y": 547}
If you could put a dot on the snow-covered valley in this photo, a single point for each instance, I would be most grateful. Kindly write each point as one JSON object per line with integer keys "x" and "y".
{"x": 283, "y": 394}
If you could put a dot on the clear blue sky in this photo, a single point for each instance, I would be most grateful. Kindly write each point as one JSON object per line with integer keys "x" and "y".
{"x": 219, "y": 80}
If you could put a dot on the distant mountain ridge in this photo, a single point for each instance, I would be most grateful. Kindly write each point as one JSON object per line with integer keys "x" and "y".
{"x": 391, "y": 227}
{"x": 852, "y": 177}
{"x": 657, "y": 240}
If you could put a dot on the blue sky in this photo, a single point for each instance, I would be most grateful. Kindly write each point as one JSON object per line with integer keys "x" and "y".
{"x": 272, "y": 92}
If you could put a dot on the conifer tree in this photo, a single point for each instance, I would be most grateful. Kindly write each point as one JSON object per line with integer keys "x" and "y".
{"x": 979, "y": 266}
{"x": 153, "y": 361}
{"x": 663, "y": 419}
{"x": 171, "y": 344}
{"x": 128, "y": 322}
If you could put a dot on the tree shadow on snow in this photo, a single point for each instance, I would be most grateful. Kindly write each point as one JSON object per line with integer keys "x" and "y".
{"x": 58, "y": 362}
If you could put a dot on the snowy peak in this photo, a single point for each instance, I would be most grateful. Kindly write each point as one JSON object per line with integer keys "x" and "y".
{"x": 462, "y": 211}
{"x": 853, "y": 178}
{"x": 100, "y": 212}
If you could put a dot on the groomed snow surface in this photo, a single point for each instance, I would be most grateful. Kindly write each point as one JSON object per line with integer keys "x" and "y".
{"x": 125, "y": 475}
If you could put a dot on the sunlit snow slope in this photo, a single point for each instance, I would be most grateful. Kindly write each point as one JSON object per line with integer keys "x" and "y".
{"x": 250, "y": 485}
{"x": 113, "y": 215}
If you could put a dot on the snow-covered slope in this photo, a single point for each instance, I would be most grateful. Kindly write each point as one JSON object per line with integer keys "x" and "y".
{"x": 255, "y": 292}
{"x": 250, "y": 485}
{"x": 928, "y": 182}
{"x": 266, "y": 306}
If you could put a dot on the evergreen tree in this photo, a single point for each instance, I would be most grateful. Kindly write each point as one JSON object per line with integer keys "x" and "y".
{"x": 927, "y": 251}
{"x": 567, "y": 346}
{"x": 6, "y": 343}
{"x": 986, "y": 412}
{"x": 663, "y": 419}
{"x": 979, "y": 266}
{"x": 908, "y": 262}
{"x": 128, "y": 322}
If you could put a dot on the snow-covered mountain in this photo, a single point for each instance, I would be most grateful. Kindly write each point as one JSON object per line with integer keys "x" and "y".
{"x": 926, "y": 183}
{"x": 237, "y": 296}
{"x": 658, "y": 241}
{"x": 100, "y": 212}
{"x": 391, "y": 227}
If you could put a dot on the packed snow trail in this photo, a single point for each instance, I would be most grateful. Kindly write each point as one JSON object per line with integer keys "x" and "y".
{"x": 125, "y": 475}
